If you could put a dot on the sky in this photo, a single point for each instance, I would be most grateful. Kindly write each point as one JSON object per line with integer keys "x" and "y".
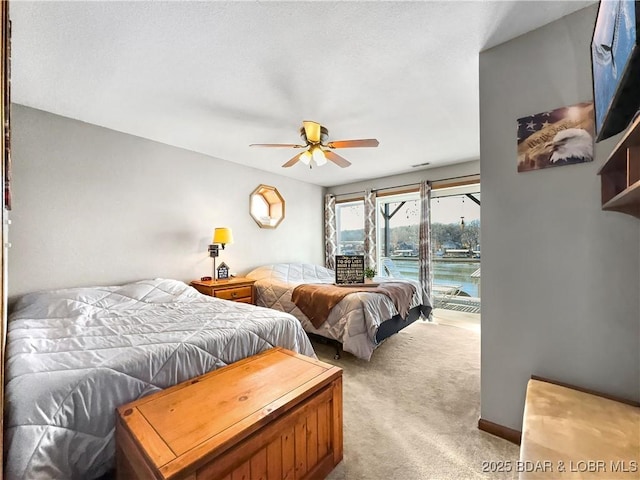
{"x": 450, "y": 209}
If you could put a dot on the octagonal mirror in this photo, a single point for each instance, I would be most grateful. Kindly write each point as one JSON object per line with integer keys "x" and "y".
{"x": 266, "y": 206}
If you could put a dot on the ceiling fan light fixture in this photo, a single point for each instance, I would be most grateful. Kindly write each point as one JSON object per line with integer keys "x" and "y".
{"x": 305, "y": 157}
{"x": 318, "y": 156}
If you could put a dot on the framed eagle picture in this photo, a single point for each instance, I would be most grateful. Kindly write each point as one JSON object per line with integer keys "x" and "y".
{"x": 554, "y": 138}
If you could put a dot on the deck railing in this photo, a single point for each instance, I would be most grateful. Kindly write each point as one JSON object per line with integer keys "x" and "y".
{"x": 454, "y": 287}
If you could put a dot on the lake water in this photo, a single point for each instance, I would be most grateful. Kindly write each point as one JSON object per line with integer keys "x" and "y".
{"x": 445, "y": 273}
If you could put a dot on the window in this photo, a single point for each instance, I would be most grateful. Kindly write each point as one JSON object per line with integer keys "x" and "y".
{"x": 398, "y": 226}
{"x": 350, "y": 227}
{"x": 455, "y": 247}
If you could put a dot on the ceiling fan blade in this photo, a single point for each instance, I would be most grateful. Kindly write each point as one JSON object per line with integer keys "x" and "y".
{"x": 365, "y": 142}
{"x": 337, "y": 159}
{"x": 312, "y": 131}
{"x": 278, "y": 145}
{"x": 293, "y": 161}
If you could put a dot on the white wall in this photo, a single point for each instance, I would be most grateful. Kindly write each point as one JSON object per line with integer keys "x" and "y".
{"x": 560, "y": 277}
{"x": 433, "y": 174}
{"x": 93, "y": 206}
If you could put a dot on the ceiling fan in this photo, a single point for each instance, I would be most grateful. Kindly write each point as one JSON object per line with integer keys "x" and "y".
{"x": 318, "y": 149}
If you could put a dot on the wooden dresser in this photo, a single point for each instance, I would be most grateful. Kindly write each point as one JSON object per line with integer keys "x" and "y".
{"x": 571, "y": 434}
{"x": 276, "y": 415}
{"x": 237, "y": 289}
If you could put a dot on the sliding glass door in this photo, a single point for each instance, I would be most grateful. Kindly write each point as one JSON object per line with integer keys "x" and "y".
{"x": 455, "y": 248}
{"x": 455, "y": 241}
{"x": 398, "y": 225}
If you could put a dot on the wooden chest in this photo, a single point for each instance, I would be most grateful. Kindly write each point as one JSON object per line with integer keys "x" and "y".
{"x": 276, "y": 415}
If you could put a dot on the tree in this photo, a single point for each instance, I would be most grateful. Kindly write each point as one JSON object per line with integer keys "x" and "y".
{"x": 470, "y": 237}
{"x": 407, "y": 236}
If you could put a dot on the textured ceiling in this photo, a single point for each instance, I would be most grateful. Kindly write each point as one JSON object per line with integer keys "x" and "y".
{"x": 214, "y": 77}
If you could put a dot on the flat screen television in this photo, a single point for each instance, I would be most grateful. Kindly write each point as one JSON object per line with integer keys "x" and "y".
{"x": 615, "y": 64}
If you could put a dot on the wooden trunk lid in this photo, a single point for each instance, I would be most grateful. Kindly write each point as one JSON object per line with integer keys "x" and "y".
{"x": 193, "y": 422}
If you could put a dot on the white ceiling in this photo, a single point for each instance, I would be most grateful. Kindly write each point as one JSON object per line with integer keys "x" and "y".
{"x": 214, "y": 77}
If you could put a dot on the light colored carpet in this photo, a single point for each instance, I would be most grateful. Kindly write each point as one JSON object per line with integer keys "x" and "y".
{"x": 412, "y": 411}
{"x": 470, "y": 321}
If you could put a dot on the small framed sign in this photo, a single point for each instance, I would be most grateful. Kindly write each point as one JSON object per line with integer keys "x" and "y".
{"x": 349, "y": 269}
{"x": 223, "y": 271}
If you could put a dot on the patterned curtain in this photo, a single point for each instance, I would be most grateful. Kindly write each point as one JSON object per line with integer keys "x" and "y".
{"x": 370, "y": 230}
{"x": 426, "y": 273}
{"x": 330, "y": 232}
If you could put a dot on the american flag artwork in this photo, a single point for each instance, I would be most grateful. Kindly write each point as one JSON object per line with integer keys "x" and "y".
{"x": 562, "y": 136}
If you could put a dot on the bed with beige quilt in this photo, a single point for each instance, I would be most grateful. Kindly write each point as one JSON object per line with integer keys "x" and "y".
{"x": 360, "y": 322}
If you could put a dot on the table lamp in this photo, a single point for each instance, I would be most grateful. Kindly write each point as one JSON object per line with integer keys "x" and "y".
{"x": 221, "y": 236}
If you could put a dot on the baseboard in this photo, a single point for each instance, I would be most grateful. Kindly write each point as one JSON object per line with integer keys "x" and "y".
{"x": 501, "y": 431}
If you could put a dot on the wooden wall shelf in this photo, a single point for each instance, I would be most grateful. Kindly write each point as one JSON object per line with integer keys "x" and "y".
{"x": 620, "y": 175}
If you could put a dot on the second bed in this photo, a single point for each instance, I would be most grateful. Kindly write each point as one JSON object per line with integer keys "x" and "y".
{"x": 359, "y": 322}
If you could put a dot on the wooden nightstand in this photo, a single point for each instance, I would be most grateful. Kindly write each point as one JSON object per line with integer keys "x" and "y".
{"x": 238, "y": 289}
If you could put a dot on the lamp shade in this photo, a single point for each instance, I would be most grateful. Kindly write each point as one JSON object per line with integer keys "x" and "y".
{"x": 223, "y": 236}
{"x": 305, "y": 157}
{"x": 318, "y": 155}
